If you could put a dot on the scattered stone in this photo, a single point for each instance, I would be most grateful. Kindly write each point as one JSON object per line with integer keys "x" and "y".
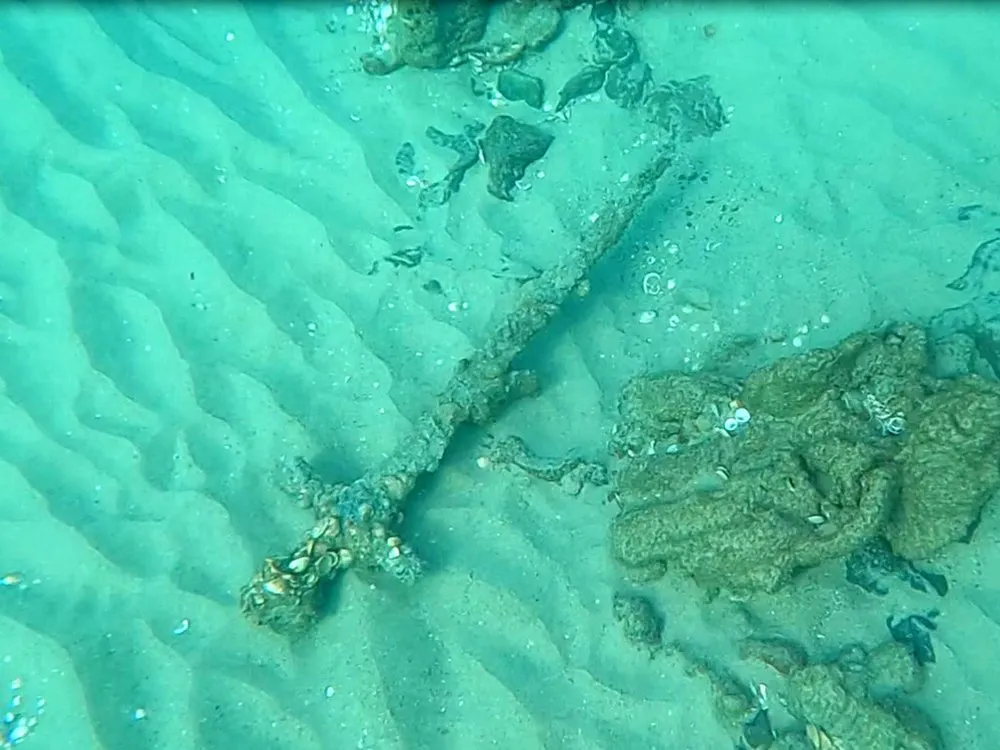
{"x": 874, "y": 561}
{"x": 914, "y": 632}
{"x": 509, "y": 147}
{"x": 626, "y": 83}
{"x": 406, "y": 160}
{"x": 587, "y": 81}
{"x": 521, "y": 87}
{"x": 614, "y": 46}
{"x": 640, "y": 624}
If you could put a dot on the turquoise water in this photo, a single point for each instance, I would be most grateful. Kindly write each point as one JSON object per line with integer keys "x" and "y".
{"x": 233, "y": 235}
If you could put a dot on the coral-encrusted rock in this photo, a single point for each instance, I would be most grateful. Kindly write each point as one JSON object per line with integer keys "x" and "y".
{"x": 843, "y": 445}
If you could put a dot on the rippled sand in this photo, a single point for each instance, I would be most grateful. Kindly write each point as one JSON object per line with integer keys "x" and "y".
{"x": 192, "y": 205}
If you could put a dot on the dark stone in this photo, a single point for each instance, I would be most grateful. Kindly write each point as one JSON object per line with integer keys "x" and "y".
{"x": 521, "y": 87}
{"x": 914, "y": 632}
{"x": 626, "y": 83}
{"x": 587, "y": 81}
{"x": 509, "y": 147}
{"x": 614, "y": 46}
{"x": 873, "y": 562}
{"x": 406, "y": 159}
{"x": 604, "y": 12}
{"x": 757, "y": 731}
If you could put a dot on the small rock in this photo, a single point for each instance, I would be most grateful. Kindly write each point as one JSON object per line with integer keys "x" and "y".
{"x": 587, "y": 81}
{"x": 520, "y": 87}
{"x": 640, "y": 624}
{"x": 626, "y": 83}
{"x": 509, "y": 147}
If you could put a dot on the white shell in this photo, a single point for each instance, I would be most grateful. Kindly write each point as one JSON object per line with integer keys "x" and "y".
{"x": 894, "y": 425}
{"x": 326, "y": 564}
{"x": 276, "y": 586}
{"x": 731, "y": 425}
{"x": 742, "y": 415}
{"x": 652, "y": 284}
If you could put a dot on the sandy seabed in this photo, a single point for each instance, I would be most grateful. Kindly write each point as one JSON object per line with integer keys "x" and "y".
{"x": 192, "y": 204}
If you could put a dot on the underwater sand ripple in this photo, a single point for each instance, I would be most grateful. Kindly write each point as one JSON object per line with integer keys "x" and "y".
{"x": 175, "y": 218}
